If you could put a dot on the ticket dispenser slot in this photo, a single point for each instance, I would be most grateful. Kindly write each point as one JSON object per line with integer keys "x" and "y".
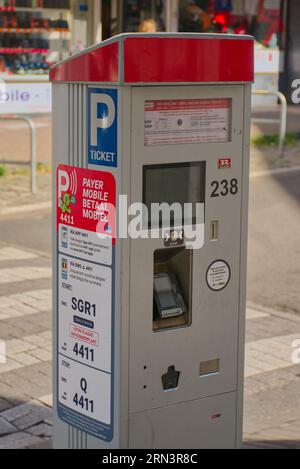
{"x": 167, "y": 295}
{"x": 172, "y": 288}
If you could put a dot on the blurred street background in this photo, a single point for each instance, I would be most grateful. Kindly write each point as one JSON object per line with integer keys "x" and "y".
{"x": 33, "y": 36}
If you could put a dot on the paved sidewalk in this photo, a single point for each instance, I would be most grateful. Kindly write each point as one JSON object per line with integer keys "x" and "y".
{"x": 15, "y": 192}
{"x": 272, "y": 381}
{"x": 15, "y": 143}
{"x": 272, "y": 400}
{"x": 273, "y": 113}
{"x": 267, "y": 159}
{"x": 25, "y": 326}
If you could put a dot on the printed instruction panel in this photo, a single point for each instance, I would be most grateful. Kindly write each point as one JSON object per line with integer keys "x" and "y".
{"x": 170, "y": 122}
{"x": 86, "y": 203}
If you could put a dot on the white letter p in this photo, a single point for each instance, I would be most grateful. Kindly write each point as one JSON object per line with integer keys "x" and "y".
{"x": 101, "y": 122}
{"x": 63, "y": 182}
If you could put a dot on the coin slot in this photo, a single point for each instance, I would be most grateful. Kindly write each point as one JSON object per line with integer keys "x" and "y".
{"x": 214, "y": 231}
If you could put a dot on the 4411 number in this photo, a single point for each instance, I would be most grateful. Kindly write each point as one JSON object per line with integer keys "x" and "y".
{"x": 84, "y": 403}
{"x": 84, "y": 352}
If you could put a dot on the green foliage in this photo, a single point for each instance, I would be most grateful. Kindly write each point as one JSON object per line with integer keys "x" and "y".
{"x": 273, "y": 140}
{"x": 43, "y": 168}
{"x": 3, "y": 171}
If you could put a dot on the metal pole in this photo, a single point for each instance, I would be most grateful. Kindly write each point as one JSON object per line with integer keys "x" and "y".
{"x": 283, "y": 116}
{"x": 32, "y": 129}
{"x": 97, "y": 21}
{"x": 283, "y": 123}
{"x": 32, "y": 162}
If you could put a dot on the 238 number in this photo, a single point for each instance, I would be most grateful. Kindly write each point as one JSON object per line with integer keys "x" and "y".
{"x": 224, "y": 188}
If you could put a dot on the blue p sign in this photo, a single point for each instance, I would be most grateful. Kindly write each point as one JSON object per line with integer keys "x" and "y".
{"x": 103, "y": 127}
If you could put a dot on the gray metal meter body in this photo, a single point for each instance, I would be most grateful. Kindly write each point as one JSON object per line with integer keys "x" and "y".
{"x": 149, "y": 315}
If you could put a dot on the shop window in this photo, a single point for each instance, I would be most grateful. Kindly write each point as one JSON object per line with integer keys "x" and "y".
{"x": 61, "y": 4}
{"x": 261, "y": 18}
{"x": 34, "y": 34}
{"x": 195, "y": 15}
{"x": 266, "y": 25}
{"x": 109, "y": 19}
{"x": 144, "y": 16}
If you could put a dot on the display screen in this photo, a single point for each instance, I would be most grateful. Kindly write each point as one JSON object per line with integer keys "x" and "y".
{"x": 175, "y": 184}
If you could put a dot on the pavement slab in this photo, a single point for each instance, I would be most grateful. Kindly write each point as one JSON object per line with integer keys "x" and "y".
{"x": 6, "y": 428}
{"x": 20, "y": 440}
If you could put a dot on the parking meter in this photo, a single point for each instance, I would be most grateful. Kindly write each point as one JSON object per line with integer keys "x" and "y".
{"x": 149, "y": 309}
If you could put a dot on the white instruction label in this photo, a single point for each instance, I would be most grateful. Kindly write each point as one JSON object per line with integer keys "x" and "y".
{"x": 84, "y": 343}
{"x": 173, "y": 122}
{"x": 85, "y": 317}
{"x": 85, "y": 391}
{"x": 218, "y": 275}
{"x": 85, "y": 244}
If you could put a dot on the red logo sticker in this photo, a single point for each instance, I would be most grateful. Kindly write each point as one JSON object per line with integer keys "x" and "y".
{"x": 224, "y": 163}
{"x": 86, "y": 200}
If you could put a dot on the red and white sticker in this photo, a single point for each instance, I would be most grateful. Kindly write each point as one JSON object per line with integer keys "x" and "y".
{"x": 84, "y": 335}
{"x": 224, "y": 163}
{"x": 180, "y": 121}
{"x": 86, "y": 199}
{"x": 86, "y": 218}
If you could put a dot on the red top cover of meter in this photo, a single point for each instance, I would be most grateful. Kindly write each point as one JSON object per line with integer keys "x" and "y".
{"x": 162, "y": 58}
